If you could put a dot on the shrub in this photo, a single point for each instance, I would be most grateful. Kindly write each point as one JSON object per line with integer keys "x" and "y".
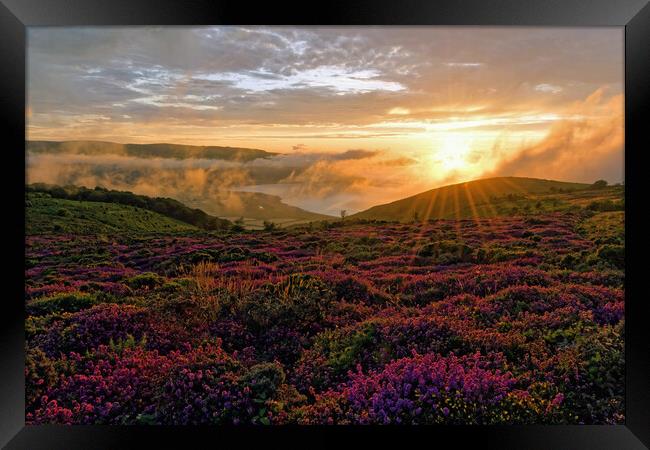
{"x": 204, "y": 391}
{"x": 264, "y": 380}
{"x": 598, "y": 394}
{"x": 298, "y": 302}
{"x": 613, "y": 255}
{"x": 352, "y": 289}
{"x": 147, "y": 280}
{"x": 59, "y": 303}
{"x": 447, "y": 252}
{"x": 427, "y": 389}
{"x": 106, "y": 323}
{"x": 218, "y": 390}
{"x": 98, "y": 325}
{"x": 40, "y": 375}
{"x": 106, "y": 388}
{"x": 605, "y": 205}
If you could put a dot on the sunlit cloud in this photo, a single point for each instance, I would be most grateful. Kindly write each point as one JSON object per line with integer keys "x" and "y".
{"x": 337, "y": 79}
{"x": 398, "y": 111}
{"x": 543, "y": 87}
{"x": 463, "y": 64}
{"x": 576, "y": 149}
{"x": 457, "y": 123}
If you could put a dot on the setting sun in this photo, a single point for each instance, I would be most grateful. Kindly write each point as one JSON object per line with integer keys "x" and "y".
{"x": 453, "y": 151}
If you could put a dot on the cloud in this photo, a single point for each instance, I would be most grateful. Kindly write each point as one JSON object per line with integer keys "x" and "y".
{"x": 463, "y": 64}
{"x": 354, "y": 154}
{"x": 338, "y": 79}
{"x": 548, "y": 88}
{"x": 209, "y": 84}
{"x": 577, "y": 150}
{"x": 398, "y": 111}
{"x": 399, "y": 162}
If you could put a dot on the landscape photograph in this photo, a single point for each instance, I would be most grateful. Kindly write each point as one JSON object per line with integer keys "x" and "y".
{"x": 251, "y": 225}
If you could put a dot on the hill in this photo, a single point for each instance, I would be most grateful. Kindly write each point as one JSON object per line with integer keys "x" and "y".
{"x": 254, "y": 207}
{"x": 174, "y": 151}
{"x": 45, "y": 214}
{"x": 165, "y": 206}
{"x": 480, "y": 198}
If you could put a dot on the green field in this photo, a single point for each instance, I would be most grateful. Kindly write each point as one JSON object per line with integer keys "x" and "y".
{"x": 47, "y": 215}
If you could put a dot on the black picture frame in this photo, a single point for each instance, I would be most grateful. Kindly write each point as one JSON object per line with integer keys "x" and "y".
{"x": 16, "y": 15}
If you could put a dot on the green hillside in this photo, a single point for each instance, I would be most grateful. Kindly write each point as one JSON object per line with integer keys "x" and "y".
{"x": 480, "y": 198}
{"x": 162, "y": 205}
{"x": 175, "y": 151}
{"x": 44, "y": 214}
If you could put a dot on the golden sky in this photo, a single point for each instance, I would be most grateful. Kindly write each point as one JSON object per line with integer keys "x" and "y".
{"x": 418, "y": 107}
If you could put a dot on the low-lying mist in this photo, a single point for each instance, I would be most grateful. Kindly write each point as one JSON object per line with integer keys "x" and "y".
{"x": 319, "y": 182}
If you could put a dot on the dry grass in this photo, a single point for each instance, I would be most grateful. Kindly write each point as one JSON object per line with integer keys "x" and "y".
{"x": 213, "y": 287}
{"x": 206, "y": 275}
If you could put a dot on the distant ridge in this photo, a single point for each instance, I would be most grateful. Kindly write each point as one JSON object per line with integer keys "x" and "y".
{"x": 253, "y": 205}
{"x": 172, "y": 151}
{"x": 464, "y": 200}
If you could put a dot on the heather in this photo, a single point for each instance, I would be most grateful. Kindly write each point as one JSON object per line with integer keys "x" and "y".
{"x": 504, "y": 320}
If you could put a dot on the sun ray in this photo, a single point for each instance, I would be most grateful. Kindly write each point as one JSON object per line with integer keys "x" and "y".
{"x": 432, "y": 201}
{"x": 472, "y": 205}
{"x": 514, "y": 186}
{"x": 456, "y": 212}
{"x": 487, "y": 204}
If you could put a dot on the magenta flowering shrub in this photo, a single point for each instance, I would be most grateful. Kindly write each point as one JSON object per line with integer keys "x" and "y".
{"x": 201, "y": 385}
{"x": 106, "y": 388}
{"x": 509, "y": 320}
{"x": 477, "y": 281}
{"x": 370, "y": 345}
{"x": 88, "y": 329}
{"x": 203, "y": 390}
{"x": 431, "y": 389}
{"x": 234, "y": 335}
{"x": 204, "y": 397}
{"x": 221, "y": 391}
{"x": 109, "y": 324}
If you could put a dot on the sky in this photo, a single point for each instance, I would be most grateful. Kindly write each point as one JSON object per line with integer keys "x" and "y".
{"x": 361, "y": 115}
